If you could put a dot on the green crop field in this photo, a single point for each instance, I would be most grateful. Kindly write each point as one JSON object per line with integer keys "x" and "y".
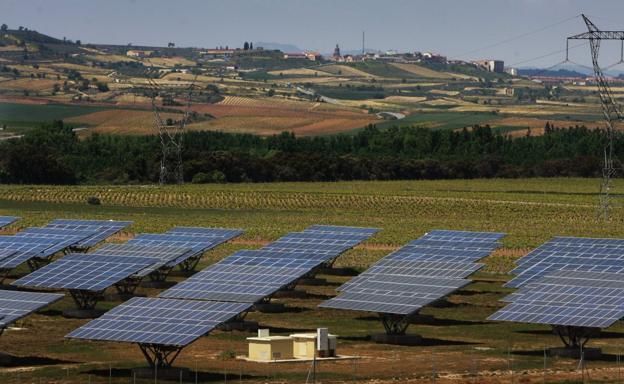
{"x": 442, "y": 120}
{"x": 19, "y": 116}
{"x": 459, "y": 345}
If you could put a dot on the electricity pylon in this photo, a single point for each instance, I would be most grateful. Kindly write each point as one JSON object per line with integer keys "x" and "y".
{"x": 170, "y": 135}
{"x": 610, "y": 108}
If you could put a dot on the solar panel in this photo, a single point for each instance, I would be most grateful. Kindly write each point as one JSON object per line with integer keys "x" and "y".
{"x": 423, "y": 271}
{"x": 15, "y": 304}
{"x": 29, "y": 247}
{"x": 196, "y": 243}
{"x": 7, "y": 220}
{"x": 56, "y": 233}
{"x": 571, "y": 244}
{"x": 208, "y": 232}
{"x": 570, "y": 298}
{"x": 396, "y": 298}
{"x": 165, "y": 256}
{"x": 406, "y": 271}
{"x": 159, "y": 321}
{"x": 600, "y": 255}
{"x": 103, "y": 228}
{"x": 341, "y": 229}
{"x": 86, "y": 272}
{"x": 243, "y": 277}
{"x": 449, "y": 235}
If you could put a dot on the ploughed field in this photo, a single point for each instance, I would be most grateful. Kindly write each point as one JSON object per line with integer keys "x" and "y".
{"x": 459, "y": 344}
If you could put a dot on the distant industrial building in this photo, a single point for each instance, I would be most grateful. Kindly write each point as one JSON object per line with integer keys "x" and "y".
{"x": 497, "y": 66}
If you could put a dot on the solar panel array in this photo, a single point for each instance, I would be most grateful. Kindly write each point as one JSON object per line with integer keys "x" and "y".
{"x": 224, "y": 289}
{"x": 112, "y": 263}
{"x": 421, "y": 272}
{"x": 159, "y": 321}
{"x": 7, "y": 220}
{"x": 249, "y": 276}
{"x": 15, "y": 305}
{"x": 57, "y": 236}
{"x": 569, "y": 298}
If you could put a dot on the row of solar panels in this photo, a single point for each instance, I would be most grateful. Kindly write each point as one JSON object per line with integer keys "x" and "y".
{"x": 568, "y": 281}
{"x": 41, "y": 243}
{"x": 223, "y": 290}
{"x": 144, "y": 255}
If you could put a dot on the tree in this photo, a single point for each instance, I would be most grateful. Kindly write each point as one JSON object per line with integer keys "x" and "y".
{"x": 246, "y": 46}
{"x": 170, "y": 45}
{"x": 4, "y": 27}
{"x": 78, "y": 42}
{"x": 250, "y": 45}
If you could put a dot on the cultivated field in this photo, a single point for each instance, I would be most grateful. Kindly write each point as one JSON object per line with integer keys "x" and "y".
{"x": 459, "y": 345}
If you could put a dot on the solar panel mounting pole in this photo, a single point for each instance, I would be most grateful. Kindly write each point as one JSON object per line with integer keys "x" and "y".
{"x": 610, "y": 109}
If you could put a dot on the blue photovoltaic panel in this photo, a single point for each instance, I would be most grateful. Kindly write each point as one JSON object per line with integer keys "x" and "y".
{"x": 208, "y": 232}
{"x": 28, "y": 248}
{"x": 66, "y": 235}
{"x": 341, "y": 229}
{"x": 302, "y": 259}
{"x": 103, "y": 228}
{"x": 407, "y": 271}
{"x": 159, "y": 321}
{"x": 569, "y": 298}
{"x": 437, "y": 254}
{"x": 395, "y": 298}
{"x": 465, "y": 245}
{"x": 242, "y": 277}
{"x": 463, "y": 236}
{"x": 571, "y": 244}
{"x": 423, "y": 271}
{"x": 87, "y": 272}
{"x": 196, "y": 243}
{"x": 15, "y": 304}
{"x": 164, "y": 256}
{"x": 7, "y": 220}
{"x": 599, "y": 255}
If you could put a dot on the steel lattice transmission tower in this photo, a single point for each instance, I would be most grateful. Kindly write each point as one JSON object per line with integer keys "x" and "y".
{"x": 610, "y": 109}
{"x": 171, "y": 171}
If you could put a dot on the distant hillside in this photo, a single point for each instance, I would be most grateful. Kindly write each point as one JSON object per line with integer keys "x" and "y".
{"x": 550, "y": 73}
{"x": 12, "y": 36}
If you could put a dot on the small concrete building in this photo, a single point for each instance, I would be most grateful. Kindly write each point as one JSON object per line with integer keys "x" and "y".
{"x": 303, "y": 346}
{"x": 267, "y": 348}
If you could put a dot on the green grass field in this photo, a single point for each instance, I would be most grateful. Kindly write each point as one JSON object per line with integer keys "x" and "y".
{"x": 459, "y": 343}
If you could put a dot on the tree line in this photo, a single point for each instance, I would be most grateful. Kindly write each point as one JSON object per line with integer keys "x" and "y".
{"x": 53, "y": 154}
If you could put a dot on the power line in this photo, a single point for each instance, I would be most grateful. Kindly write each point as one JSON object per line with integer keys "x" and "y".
{"x": 518, "y": 36}
{"x": 547, "y": 55}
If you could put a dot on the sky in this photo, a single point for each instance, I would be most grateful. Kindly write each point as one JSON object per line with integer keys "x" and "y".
{"x": 463, "y": 29}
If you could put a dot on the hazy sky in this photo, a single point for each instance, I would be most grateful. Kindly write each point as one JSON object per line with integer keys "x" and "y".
{"x": 454, "y": 28}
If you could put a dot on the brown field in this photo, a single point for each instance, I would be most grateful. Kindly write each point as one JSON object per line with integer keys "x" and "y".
{"x": 270, "y": 116}
{"x": 29, "y": 84}
{"x": 423, "y": 72}
{"x": 122, "y": 121}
